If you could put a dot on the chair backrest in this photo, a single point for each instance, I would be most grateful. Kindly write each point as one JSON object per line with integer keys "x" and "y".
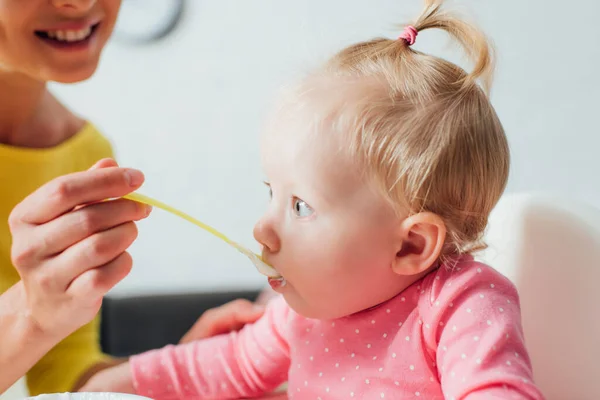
{"x": 550, "y": 249}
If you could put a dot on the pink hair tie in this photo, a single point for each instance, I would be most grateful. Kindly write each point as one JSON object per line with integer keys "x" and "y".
{"x": 409, "y": 34}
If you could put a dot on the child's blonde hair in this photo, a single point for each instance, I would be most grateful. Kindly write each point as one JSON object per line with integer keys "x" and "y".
{"x": 424, "y": 128}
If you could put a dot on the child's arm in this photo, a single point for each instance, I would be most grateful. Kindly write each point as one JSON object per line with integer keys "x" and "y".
{"x": 480, "y": 349}
{"x": 241, "y": 364}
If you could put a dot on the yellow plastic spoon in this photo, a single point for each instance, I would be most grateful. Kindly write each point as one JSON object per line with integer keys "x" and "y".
{"x": 260, "y": 265}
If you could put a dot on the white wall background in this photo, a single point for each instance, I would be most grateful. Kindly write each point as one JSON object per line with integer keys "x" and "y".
{"x": 188, "y": 110}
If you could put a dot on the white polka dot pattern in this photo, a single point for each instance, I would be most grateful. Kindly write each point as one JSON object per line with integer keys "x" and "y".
{"x": 450, "y": 332}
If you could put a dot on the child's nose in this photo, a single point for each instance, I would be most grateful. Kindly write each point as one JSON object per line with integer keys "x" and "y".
{"x": 79, "y": 5}
{"x": 265, "y": 234}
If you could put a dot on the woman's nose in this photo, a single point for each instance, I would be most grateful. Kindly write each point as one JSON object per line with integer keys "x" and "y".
{"x": 265, "y": 234}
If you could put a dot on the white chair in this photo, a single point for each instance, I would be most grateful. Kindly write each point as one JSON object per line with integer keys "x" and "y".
{"x": 550, "y": 249}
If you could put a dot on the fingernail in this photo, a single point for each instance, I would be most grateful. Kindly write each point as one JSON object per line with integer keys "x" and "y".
{"x": 148, "y": 210}
{"x": 258, "y": 308}
{"x": 134, "y": 177}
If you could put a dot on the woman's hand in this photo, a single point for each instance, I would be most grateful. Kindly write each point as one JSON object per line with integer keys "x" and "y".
{"x": 69, "y": 245}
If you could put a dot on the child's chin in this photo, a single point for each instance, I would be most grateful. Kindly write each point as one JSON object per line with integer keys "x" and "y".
{"x": 308, "y": 311}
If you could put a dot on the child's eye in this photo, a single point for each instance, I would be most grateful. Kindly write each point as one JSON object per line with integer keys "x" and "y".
{"x": 302, "y": 209}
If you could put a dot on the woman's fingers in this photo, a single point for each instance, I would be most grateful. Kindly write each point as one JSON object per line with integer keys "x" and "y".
{"x": 105, "y": 163}
{"x": 65, "y": 193}
{"x": 77, "y": 225}
{"x": 96, "y": 282}
{"x": 94, "y": 251}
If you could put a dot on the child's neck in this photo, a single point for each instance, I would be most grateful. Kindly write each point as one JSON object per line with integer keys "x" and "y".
{"x": 30, "y": 116}
{"x": 410, "y": 281}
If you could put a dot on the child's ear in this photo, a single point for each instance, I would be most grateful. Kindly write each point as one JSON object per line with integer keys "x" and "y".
{"x": 422, "y": 238}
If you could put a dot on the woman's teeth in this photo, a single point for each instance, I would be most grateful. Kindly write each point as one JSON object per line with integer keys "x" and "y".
{"x": 69, "y": 35}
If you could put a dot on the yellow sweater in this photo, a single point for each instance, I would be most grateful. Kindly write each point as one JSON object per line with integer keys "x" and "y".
{"x": 22, "y": 170}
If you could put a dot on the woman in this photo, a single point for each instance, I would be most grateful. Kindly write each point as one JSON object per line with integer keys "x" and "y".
{"x": 53, "y": 289}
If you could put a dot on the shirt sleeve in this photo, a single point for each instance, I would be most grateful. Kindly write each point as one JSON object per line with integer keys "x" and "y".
{"x": 241, "y": 364}
{"x": 479, "y": 345}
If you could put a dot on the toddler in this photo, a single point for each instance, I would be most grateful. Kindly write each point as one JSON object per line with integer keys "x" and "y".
{"x": 383, "y": 167}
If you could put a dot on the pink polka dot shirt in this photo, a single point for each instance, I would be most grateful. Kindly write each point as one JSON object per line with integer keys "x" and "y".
{"x": 455, "y": 334}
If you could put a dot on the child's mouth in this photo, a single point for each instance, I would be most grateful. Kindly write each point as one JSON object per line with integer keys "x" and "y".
{"x": 277, "y": 283}
{"x": 68, "y": 38}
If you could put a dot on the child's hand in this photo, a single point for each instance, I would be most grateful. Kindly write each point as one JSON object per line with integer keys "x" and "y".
{"x": 116, "y": 379}
{"x": 229, "y": 317}
{"x": 69, "y": 246}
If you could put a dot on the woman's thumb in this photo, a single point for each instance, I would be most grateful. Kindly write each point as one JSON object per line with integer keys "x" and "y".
{"x": 104, "y": 163}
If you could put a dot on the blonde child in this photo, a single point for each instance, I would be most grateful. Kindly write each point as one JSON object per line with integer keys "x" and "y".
{"x": 383, "y": 168}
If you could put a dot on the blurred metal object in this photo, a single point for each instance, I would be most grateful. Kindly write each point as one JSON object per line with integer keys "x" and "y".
{"x": 147, "y": 21}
